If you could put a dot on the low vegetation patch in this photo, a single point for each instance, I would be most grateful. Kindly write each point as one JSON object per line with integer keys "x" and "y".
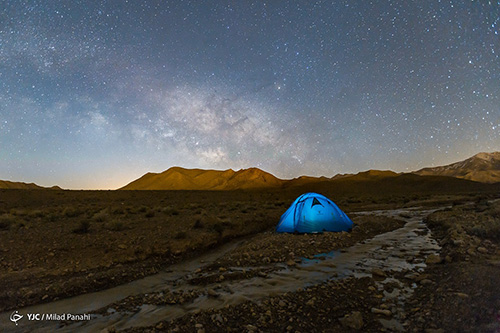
{"x": 115, "y": 225}
{"x": 82, "y": 228}
{"x": 6, "y": 221}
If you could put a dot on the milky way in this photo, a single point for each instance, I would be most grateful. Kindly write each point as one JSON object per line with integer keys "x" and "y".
{"x": 94, "y": 94}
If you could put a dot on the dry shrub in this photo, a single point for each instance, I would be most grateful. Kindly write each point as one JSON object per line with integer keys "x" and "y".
{"x": 6, "y": 221}
{"x": 101, "y": 216}
{"x": 72, "y": 212}
{"x": 115, "y": 225}
{"x": 171, "y": 211}
{"x": 494, "y": 211}
{"x": 82, "y": 228}
{"x": 181, "y": 235}
{"x": 118, "y": 211}
{"x": 36, "y": 213}
{"x": 198, "y": 224}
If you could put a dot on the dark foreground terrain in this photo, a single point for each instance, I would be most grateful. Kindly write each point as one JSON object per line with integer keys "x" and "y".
{"x": 57, "y": 244}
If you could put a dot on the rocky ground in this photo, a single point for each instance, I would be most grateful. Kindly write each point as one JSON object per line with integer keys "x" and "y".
{"x": 463, "y": 293}
{"x": 48, "y": 251}
{"x": 457, "y": 292}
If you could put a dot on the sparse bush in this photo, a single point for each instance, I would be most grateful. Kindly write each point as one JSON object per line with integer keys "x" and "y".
{"x": 142, "y": 209}
{"x": 52, "y": 217}
{"x": 18, "y": 212}
{"x": 193, "y": 206}
{"x": 6, "y": 221}
{"x": 115, "y": 225}
{"x": 218, "y": 228}
{"x": 490, "y": 229}
{"x": 83, "y": 227}
{"x": 478, "y": 232}
{"x": 494, "y": 211}
{"x": 36, "y": 213}
{"x": 482, "y": 205}
{"x": 150, "y": 213}
{"x": 171, "y": 211}
{"x": 118, "y": 211}
{"x": 72, "y": 212}
{"x": 181, "y": 235}
{"x": 198, "y": 224}
{"x": 101, "y": 216}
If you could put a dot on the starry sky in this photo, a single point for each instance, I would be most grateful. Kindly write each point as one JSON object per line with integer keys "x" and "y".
{"x": 93, "y": 94}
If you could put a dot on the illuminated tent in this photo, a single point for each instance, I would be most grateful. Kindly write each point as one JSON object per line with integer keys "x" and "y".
{"x": 312, "y": 212}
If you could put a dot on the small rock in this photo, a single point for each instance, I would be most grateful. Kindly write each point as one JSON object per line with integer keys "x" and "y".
{"x": 159, "y": 326}
{"x": 212, "y": 293}
{"x": 462, "y": 295}
{"x": 281, "y": 304}
{"x": 291, "y": 263}
{"x": 251, "y": 328}
{"x": 382, "y": 312}
{"x": 482, "y": 250}
{"x": 426, "y": 282}
{"x": 122, "y": 246}
{"x": 262, "y": 274}
{"x": 198, "y": 325}
{"x": 378, "y": 272}
{"x": 353, "y": 320}
{"x": 434, "y": 330}
{"x": 433, "y": 259}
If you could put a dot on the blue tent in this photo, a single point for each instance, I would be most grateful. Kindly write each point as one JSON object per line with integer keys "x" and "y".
{"x": 312, "y": 212}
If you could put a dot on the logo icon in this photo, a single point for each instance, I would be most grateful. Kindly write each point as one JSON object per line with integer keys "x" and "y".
{"x": 15, "y": 317}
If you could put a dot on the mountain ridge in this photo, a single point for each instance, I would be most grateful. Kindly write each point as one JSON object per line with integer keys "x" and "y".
{"x": 482, "y": 167}
{"x": 10, "y": 185}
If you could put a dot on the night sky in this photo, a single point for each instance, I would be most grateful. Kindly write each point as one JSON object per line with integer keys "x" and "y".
{"x": 93, "y": 94}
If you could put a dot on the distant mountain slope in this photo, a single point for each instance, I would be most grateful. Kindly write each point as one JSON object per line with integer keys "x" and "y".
{"x": 400, "y": 184}
{"x": 5, "y": 184}
{"x": 368, "y": 175}
{"x": 482, "y": 167}
{"x": 177, "y": 178}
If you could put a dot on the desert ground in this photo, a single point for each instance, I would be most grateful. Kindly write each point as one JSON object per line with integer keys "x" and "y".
{"x": 209, "y": 261}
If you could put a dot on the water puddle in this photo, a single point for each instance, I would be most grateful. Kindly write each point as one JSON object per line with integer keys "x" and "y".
{"x": 401, "y": 250}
